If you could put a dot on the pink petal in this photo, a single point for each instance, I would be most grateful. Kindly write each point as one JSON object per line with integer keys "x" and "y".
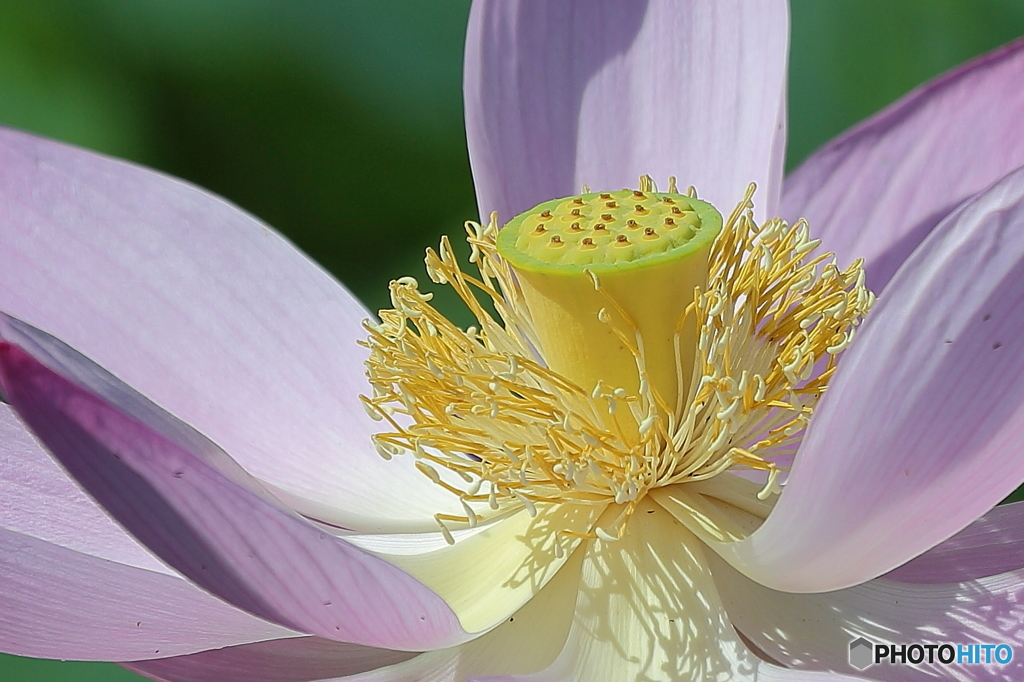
{"x": 38, "y": 500}
{"x": 195, "y": 508}
{"x": 815, "y": 630}
{"x": 528, "y": 640}
{"x": 209, "y": 313}
{"x": 58, "y": 603}
{"x": 563, "y": 93}
{"x": 921, "y": 431}
{"x": 74, "y": 585}
{"x": 876, "y": 191}
{"x": 993, "y": 544}
{"x": 301, "y": 659}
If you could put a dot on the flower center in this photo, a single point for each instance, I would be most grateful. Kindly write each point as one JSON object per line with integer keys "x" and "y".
{"x": 659, "y": 354}
{"x": 607, "y": 278}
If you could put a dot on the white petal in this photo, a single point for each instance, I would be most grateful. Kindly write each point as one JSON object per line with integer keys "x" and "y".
{"x": 488, "y": 576}
{"x": 648, "y": 610}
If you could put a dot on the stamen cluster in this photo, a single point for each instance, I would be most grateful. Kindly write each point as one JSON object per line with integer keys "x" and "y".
{"x": 487, "y": 420}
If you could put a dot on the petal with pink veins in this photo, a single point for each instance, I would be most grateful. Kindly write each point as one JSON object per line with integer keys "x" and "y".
{"x": 38, "y": 500}
{"x": 528, "y": 641}
{"x": 74, "y": 585}
{"x": 58, "y": 603}
{"x": 815, "y": 630}
{"x": 575, "y": 91}
{"x": 878, "y": 190}
{"x": 200, "y": 512}
{"x": 993, "y": 544}
{"x": 301, "y": 659}
{"x": 210, "y": 314}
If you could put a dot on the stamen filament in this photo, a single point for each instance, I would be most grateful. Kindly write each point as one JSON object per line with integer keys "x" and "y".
{"x": 733, "y": 384}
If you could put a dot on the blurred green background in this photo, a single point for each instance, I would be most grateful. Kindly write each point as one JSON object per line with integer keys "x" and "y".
{"x": 292, "y": 109}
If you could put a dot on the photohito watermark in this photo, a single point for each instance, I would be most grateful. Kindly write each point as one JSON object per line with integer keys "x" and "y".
{"x": 865, "y": 653}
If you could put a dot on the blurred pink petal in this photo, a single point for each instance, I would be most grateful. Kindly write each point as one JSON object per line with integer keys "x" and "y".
{"x": 300, "y": 659}
{"x": 815, "y": 630}
{"x": 569, "y": 92}
{"x": 927, "y": 407}
{"x": 993, "y": 544}
{"x": 209, "y": 313}
{"x": 876, "y": 191}
{"x": 195, "y": 508}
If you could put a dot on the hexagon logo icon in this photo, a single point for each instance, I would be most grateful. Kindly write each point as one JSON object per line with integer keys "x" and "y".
{"x": 861, "y": 651}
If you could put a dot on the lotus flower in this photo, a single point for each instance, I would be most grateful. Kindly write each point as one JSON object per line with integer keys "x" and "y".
{"x": 219, "y": 511}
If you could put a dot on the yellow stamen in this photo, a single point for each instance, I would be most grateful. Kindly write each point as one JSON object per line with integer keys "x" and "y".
{"x": 496, "y": 423}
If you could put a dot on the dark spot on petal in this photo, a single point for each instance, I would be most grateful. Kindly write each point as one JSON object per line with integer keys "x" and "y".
{"x": 997, "y": 345}
{"x": 948, "y": 341}
{"x": 986, "y": 317}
